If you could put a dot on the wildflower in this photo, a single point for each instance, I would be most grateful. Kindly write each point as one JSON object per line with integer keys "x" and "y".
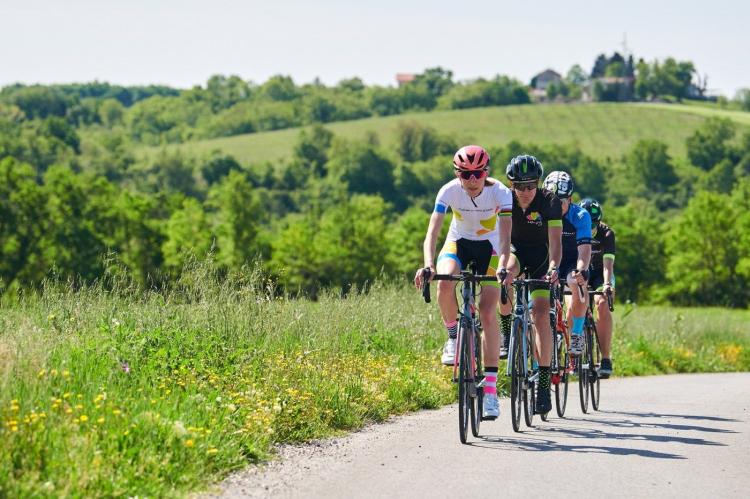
{"x": 66, "y": 374}
{"x": 116, "y": 412}
{"x": 42, "y": 373}
{"x": 212, "y": 451}
{"x": 53, "y": 372}
{"x": 100, "y": 420}
{"x": 189, "y": 443}
{"x": 179, "y": 428}
{"x": 66, "y": 395}
{"x": 83, "y": 418}
{"x": 125, "y": 367}
{"x": 115, "y": 322}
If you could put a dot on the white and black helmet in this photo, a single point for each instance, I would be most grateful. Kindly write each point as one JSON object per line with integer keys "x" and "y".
{"x": 559, "y": 183}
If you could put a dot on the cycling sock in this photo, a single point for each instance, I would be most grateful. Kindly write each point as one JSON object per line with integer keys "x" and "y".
{"x": 505, "y": 324}
{"x": 452, "y": 328}
{"x": 490, "y": 380}
{"x": 544, "y": 377}
{"x": 577, "y": 325}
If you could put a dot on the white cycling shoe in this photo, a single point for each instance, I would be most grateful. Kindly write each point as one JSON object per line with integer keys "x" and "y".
{"x": 491, "y": 406}
{"x": 449, "y": 352}
{"x": 576, "y": 344}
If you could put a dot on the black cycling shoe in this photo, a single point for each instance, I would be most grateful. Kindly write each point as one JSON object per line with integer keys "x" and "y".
{"x": 543, "y": 401}
{"x": 605, "y": 369}
{"x": 504, "y": 346}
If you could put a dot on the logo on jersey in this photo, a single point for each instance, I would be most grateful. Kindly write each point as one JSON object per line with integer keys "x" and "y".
{"x": 535, "y": 218}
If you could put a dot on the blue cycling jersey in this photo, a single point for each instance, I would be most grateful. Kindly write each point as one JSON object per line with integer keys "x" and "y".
{"x": 576, "y": 231}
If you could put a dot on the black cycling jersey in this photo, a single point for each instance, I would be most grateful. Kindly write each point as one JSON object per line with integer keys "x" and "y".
{"x": 602, "y": 243}
{"x": 530, "y": 225}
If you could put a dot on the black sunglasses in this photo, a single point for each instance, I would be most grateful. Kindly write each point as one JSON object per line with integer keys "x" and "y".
{"x": 530, "y": 186}
{"x": 467, "y": 174}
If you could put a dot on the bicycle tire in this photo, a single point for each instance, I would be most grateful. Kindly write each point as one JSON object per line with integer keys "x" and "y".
{"x": 583, "y": 379}
{"x": 561, "y": 388}
{"x": 465, "y": 407}
{"x": 516, "y": 376}
{"x": 595, "y": 360}
{"x": 529, "y": 395}
{"x": 478, "y": 400}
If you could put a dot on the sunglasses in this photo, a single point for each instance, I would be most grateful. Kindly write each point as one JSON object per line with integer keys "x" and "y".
{"x": 525, "y": 187}
{"x": 467, "y": 174}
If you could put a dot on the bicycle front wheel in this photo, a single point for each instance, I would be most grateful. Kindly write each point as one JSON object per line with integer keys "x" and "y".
{"x": 561, "y": 385}
{"x": 583, "y": 378}
{"x": 595, "y": 360}
{"x": 478, "y": 399}
{"x": 516, "y": 375}
{"x": 465, "y": 403}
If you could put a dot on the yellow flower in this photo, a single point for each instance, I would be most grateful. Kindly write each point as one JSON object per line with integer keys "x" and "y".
{"x": 189, "y": 443}
{"x": 100, "y": 420}
{"x": 68, "y": 410}
{"x": 116, "y": 412}
{"x": 212, "y": 451}
{"x": 66, "y": 374}
{"x": 84, "y": 418}
{"x": 42, "y": 373}
{"x": 53, "y": 372}
{"x": 66, "y": 395}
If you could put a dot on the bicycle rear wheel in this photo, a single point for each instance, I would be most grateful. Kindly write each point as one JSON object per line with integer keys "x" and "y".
{"x": 561, "y": 387}
{"x": 516, "y": 375}
{"x": 465, "y": 408}
{"x": 478, "y": 400}
{"x": 595, "y": 360}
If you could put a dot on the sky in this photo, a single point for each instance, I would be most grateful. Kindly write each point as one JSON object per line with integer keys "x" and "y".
{"x": 182, "y": 43}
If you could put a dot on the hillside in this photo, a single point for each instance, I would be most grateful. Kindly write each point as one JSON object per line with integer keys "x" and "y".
{"x": 601, "y": 129}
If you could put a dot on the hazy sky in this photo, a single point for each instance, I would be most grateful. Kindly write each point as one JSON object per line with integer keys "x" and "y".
{"x": 182, "y": 42}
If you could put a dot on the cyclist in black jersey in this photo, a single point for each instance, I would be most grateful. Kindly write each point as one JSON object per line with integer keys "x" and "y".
{"x": 602, "y": 279}
{"x": 536, "y": 246}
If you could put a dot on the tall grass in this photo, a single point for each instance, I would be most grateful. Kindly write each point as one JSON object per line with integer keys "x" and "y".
{"x": 111, "y": 391}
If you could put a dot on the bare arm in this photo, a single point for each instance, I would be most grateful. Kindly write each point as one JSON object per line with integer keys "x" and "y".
{"x": 430, "y": 240}
{"x": 554, "y": 234}
{"x": 609, "y": 270}
{"x": 584, "y": 256}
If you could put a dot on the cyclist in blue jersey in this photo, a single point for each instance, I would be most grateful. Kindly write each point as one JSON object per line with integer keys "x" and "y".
{"x": 576, "y": 254}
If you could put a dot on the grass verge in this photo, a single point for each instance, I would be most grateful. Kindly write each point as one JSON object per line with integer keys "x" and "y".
{"x": 121, "y": 393}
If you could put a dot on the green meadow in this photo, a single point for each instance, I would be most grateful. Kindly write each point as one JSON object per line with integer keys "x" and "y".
{"x": 601, "y": 129}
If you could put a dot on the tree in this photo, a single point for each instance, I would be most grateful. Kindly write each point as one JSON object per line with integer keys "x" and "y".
{"x": 237, "y": 220}
{"x": 649, "y": 166}
{"x": 187, "y": 236}
{"x": 23, "y": 223}
{"x": 708, "y": 144}
{"x": 576, "y": 76}
{"x": 742, "y": 97}
{"x": 703, "y": 254}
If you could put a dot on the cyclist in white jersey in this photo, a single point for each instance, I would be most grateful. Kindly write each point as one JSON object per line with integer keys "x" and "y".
{"x": 477, "y": 202}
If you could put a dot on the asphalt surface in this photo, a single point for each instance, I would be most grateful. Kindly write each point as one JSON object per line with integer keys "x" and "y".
{"x": 662, "y": 436}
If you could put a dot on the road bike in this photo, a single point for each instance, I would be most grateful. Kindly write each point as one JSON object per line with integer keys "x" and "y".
{"x": 468, "y": 369}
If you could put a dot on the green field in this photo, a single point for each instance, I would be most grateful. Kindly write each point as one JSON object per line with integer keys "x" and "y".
{"x": 123, "y": 393}
{"x": 601, "y": 130}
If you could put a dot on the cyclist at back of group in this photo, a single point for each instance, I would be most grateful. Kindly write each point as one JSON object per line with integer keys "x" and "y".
{"x": 602, "y": 279}
{"x": 536, "y": 246}
{"x": 477, "y": 202}
{"x": 576, "y": 255}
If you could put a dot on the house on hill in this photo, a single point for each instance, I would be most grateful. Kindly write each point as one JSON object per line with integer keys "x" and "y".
{"x": 404, "y": 78}
{"x": 542, "y": 80}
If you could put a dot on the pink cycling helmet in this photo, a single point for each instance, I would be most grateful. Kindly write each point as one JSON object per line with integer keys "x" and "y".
{"x": 471, "y": 158}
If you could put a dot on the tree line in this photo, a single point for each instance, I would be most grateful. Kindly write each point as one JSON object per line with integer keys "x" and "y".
{"x": 343, "y": 213}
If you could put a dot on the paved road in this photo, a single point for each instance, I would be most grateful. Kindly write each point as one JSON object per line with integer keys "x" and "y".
{"x": 663, "y": 436}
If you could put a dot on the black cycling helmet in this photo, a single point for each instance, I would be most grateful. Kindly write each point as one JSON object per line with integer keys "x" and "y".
{"x": 594, "y": 209}
{"x": 559, "y": 183}
{"x": 524, "y": 168}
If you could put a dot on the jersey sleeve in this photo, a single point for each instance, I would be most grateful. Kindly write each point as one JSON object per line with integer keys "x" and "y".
{"x": 442, "y": 202}
{"x": 504, "y": 199}
{"x": 553, "y": 213}
{"x": 608, "y": 245}
{"x": 582, "y": 222}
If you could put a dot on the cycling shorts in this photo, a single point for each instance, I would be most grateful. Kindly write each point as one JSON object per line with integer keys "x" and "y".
{"x": 465, "y": 251}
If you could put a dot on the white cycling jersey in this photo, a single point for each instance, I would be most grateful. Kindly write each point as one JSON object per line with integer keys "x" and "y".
{"x": 475, "y": 218}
